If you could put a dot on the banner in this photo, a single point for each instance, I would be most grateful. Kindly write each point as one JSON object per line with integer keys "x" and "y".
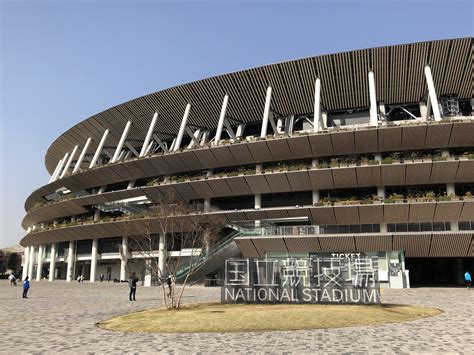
{"x": 331, "y": 278}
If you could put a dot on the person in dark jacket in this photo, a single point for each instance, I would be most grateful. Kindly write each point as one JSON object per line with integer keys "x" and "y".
{"x": 132, "y": 283}
{"x": 26, "y": 287}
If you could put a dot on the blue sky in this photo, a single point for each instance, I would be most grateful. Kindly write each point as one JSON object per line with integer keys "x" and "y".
{"x": 63, "y": 61}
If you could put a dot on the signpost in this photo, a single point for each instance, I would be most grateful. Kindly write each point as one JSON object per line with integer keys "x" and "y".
{"x": 328, "y": 278}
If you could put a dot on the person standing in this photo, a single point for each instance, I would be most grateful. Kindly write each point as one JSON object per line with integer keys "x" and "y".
{"x": 467, "y": 279}
{"x": 170, "y": 281}
{"x": 132, "y": 283}
{"x": 26, "y": 287}
{"x": 101, "y": 277}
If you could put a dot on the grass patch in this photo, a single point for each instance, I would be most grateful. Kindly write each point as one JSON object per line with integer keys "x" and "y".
{"x": 220, "y": 318}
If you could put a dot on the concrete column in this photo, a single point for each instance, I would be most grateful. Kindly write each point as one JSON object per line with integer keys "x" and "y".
{"x": 52, "y": 262}
{"x": 148, "y": 135}
{"x": 374, "y": 121}
{"x": 432, "y": 94}
{"x": 317, "y": 104}
{"x": 26, "y": 261}
{"x": 324, "y": 117}
{"x": 124, "y": 259}
{"x": 81, "y": 156}
{"x": 450, "y": 190}
{"x": 131, "y": 184}
{"x": 220, "y": 125}
{"x": 266, "y": 112}
{"x": 95, "y": 243}
{"x": 162, "y": 254}
{"x": 258, "y": 205}
{"x": 182, "y": 128}
{"x": 71, "y": 255}
{"x": 39, "y": 268}
{"x": 69, "y": 161}
{"x": 99, "y": 149}
{"x": 31, "y": 264}
{"x": 118, "y": 150}
{"x": 381, "y": 195}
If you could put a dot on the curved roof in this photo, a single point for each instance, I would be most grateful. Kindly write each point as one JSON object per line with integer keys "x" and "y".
{"x": 398, "y": 74}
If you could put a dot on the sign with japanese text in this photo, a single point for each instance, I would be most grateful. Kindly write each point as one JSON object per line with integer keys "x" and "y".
{"x": 331, "y": 278}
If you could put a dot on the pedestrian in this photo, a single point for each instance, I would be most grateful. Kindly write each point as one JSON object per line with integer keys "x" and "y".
{"x": 170, "y": 282}
{"x": 82, "y": 278}
{"x": 26, "y": 287}
{"x": 132, "y": 283}
{"x": 12, "y": 280}
{"x": 108, "y": 276}
{"x": 101, "y": 277}
{"x": 467, "y": 279}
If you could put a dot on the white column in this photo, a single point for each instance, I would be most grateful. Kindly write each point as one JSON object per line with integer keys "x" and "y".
{"x": 124, "y": 259}
{"x": 39, "y": 268}
{"x": 317, "y": 105}
{"x": 374, "y": 121}
{"x": 99, "y": 149}
{"x": 58, "y": 172}
{"x": 26, "y": 261}
{"x": 55, "y": 171}
{"x": 257, "y": 206}
{"x": 69, "y": 161}
{"x": 95, "y": 243}
{"x": 52, "y": 262}
{"x": 381, "y": 196}
{"x": 324, "y": 116}
{"x": 266, "y": 112}
{"x": 162, "y": 254}
{"x": 207, "y": 205}
{"x": 70, "y": 261}
{"x": 81, "y": 156}
{"x": 148, "y": 135}
{"x": 118, "y": 150}
{"x": 31, "y": 264}
{"x": 432, "y": 94}
{"x": 220, "y": 125}
{"x": 179, "y": 138}
{"x": 450, "y": 190}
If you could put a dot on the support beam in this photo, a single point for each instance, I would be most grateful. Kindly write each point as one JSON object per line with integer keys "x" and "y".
{"x": 317, "y": 105}
{"x": 220, "y": 125}
{"x": 39, "y": 267}
{"x": 55, "y": 171}
{"x": 60, "y": 169}
{"x": 132, "y": 149}
{"x": 194, "y": 136}
{"x": 99, "y": 149}
{"x": 148, "y": 135}
{"x": 184, "y": 121}
{"x": 240, "y": 130}
{"x": 70, "y": 261}
{"x": 432, "y": 94}
{"x": 160, "y": 143}
{"x": 124, "y": 259}
{"x": 52, "y": 262}
{"x": 81, "y": 156}
{"x": 118, "y": 150}
{"x": 266, "y": 112}
{"x": 69, "y": 161}
{"x": 374, "y": 121}
{"x": 229, "y": 129}
{"x": 95, "y": 243}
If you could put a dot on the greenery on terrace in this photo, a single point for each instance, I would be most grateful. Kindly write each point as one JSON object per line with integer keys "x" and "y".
{"x": 323, "y": 163}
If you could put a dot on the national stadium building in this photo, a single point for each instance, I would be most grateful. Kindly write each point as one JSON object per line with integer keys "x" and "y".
{"x": 369, "y": 151}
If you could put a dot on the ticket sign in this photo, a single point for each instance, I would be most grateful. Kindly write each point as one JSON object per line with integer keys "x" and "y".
{"x": 336, "y": 278}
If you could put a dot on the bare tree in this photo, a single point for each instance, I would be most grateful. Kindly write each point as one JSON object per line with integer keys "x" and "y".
{"x": 185, "y": 236}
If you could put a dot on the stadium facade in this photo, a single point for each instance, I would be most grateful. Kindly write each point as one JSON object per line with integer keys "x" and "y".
{"x": 369, "y": 151}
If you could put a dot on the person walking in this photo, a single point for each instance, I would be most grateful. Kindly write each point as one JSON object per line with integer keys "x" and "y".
{"x": 170, "y": 281}
{"x": 101, "y": 277}
{"x": 26, "y": 287}
{"x": 467, "y": 279}
{"x": 132, "y": 283}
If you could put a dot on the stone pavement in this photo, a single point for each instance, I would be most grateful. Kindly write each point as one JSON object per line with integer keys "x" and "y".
{"x": 61, "y": 317}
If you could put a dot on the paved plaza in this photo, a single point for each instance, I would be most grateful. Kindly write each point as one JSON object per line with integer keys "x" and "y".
{"x": 61, "y": 317}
